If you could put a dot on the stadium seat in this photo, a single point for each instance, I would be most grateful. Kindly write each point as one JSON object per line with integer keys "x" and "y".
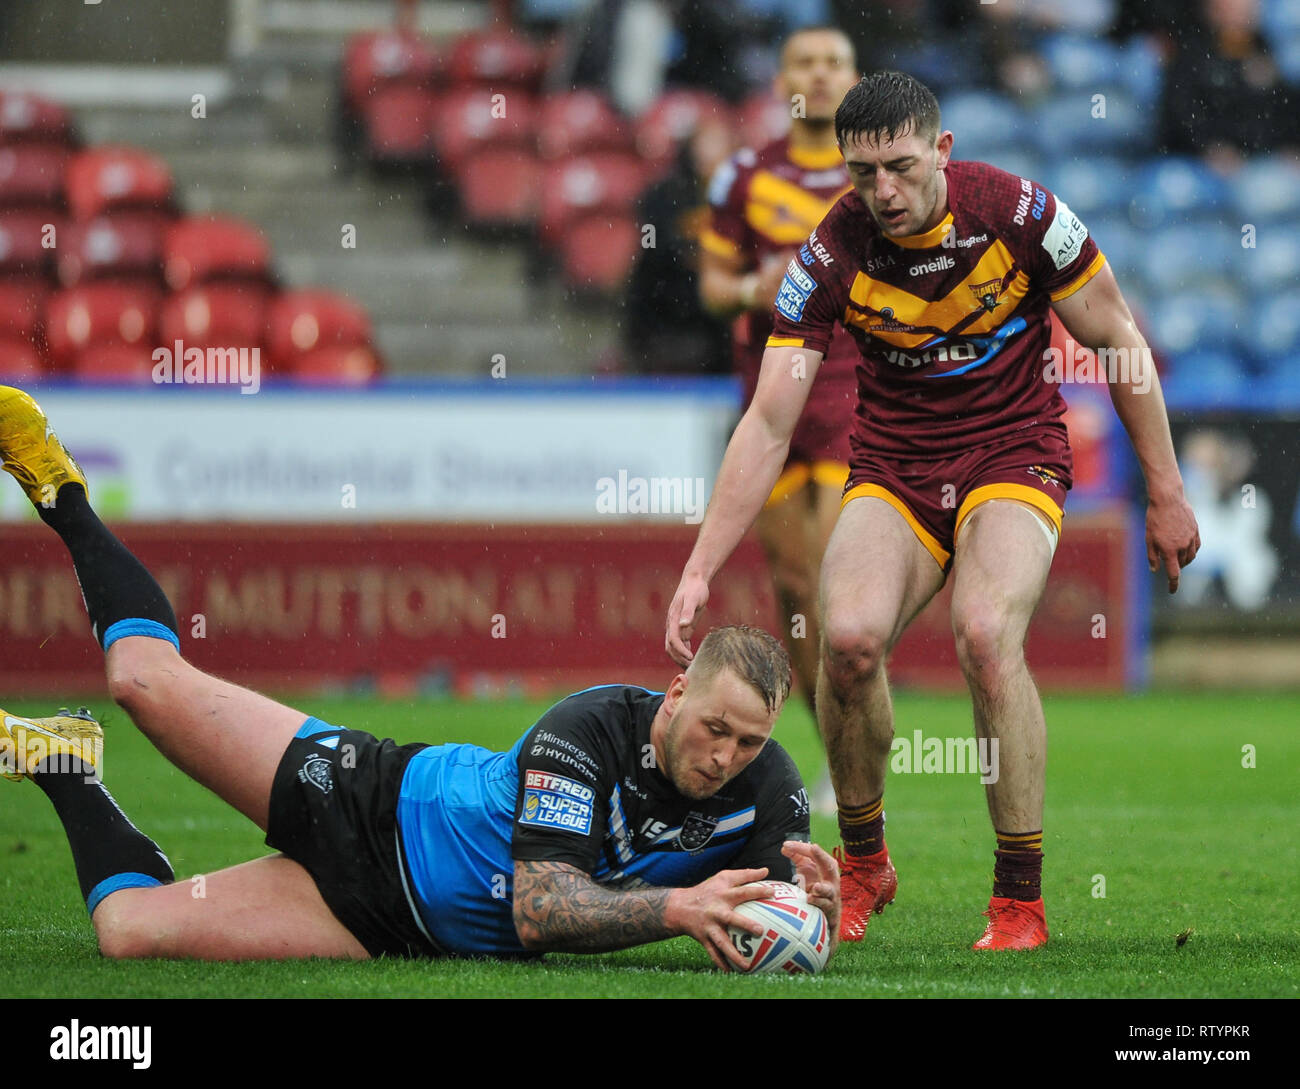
{"x": 124, "y": 245}
{"x": 469, "y": 119}
{"x": 28, "y": 118}
{"x": 337, "y": 365}
{"x": 223, "y": 315}
{"x": 1275, "y": 328}
{"x": 307, "y": 319}
{"x": 201, "y": 248}
{"x": 597, "y": 252}
{"x": 1199, "y": 380}
{"x": 109, "y": 178}
{"x": 1189, "y": 255}
{"x": 585, "y": 185}
{"x": 399, "y": 124}
{"x": 1198, "y": 320}
{"x": 1089, "y": 186}
{"x": 1141, "y": 71}
{"x": 1287, "y": 55}
{"x": 100, "y": 313}
{"x": 1065, "y": 125}
{"x": 1018, "y": 160}
{"x": 670, "y": 120}
{"x": 1123, "y": 245}
{"x": 130, "y": 364}
{"x": 1266, "y": 187}
{"x": 22, "y": 309}
{"x": 373, "y": 61}
{"x": 982, "y": 122}
{"x": 20, "y": 362}
{"x": 763, "y": 118}
{"x": 498, "y": 187}
{"x": 1079, "y": 63}
{"x": 32, "y": 174}
{"x": 497, "y": 58}
{"x": 27, "y": 241}
{"x": 1175, "y": 189}
{"x": 577, "y": 122}
{"x": 1274, "y": 262}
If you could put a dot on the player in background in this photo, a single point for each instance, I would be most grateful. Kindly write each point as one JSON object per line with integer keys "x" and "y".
{"x": 764, "y": 204}
{"x": 622, "y": 816}
{"x": 944, "y": 272}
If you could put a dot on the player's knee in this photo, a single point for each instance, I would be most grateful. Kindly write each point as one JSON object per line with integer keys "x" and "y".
{"x": 852, "y": 651}
{"x": 136, "y": 681}
{"x": 122, "y": 937}
{"x": 986, "y": 644}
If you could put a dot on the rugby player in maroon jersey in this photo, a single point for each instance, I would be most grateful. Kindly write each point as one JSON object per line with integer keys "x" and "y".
{"x": 944, "y": 272}
{"x": 763, "y": 204}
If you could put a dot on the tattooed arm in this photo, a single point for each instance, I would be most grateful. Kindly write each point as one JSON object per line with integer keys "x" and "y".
{"x": 559, "y": 908}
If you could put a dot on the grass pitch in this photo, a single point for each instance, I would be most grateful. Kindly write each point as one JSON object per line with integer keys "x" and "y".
{"x": 1148, "y": 801}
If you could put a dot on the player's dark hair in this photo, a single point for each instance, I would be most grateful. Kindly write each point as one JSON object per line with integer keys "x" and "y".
{"x": 751, "y": 654}
{"x": 886, "y": 105}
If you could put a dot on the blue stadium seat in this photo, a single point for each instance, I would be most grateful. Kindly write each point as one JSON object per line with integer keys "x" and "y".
{"x": 1078, "y": 63}
{"x": 1214, "y": 319}
{"x": 1286, "y": 51}
{"x": 1122, "y": 245}
{"x": 1142, "y": 72}
{"x": 1172, "y": 190}
{"x": 1203, "y": 379}
{"x": 1279, "y": 17}
{"x": 982, "y": 123}
{"x": 1266, "y": 187}
{"x": 943, "y": 66}
{"x": 1274, "y": 262}
{"x": 1101, "y": 183}
{"x": 1190, "y": 255}
{"x": 1275, "y": 329}
{"x": 1065, "y": 125}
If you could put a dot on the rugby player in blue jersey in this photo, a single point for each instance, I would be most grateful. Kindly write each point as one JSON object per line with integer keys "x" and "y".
{"x": 622, "y": 816}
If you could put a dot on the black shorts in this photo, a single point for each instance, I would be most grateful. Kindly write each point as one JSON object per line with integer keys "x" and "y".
{"x": 333, "y": 810}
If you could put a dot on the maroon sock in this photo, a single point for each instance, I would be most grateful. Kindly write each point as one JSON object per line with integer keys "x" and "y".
{"x": 1018, "y": 869}
{"x": 862, "y": 828}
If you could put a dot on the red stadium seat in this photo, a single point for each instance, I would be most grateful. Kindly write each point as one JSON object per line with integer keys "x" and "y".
{"x": 127, "y": 244}
{"x": 28, "y": 118}
{"x": 399, "y": 124}
{"x": 310, "y": 319}
{"x": 118, "y": 363}
{"x": 375, "y": 60}
{"x": 22, "y": 309}
{"x": 586, "y": 184}
{"x": 222, "y": 315}
{"x": 575, "y": 122}
{"x": 763, "y": 118}
{"x": 28, "y": 240}
{"x": 496, "y": 57}
{"x": 32, "y": 174}
{"x": 20, "y": 362}
{"x": 471, "y": 118}
{"x": 94, "y": 314}
{"x": 598, "y": 251}
{"x": 671, "y": 119}
{"x": 339, "y": 365}
{"x": 201, "y": 248}
{"x": 108, "y": 178}
{"x": 498, "y": 187}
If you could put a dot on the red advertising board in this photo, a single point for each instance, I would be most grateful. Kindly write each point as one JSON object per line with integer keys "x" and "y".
{"x": 480, "y": 607}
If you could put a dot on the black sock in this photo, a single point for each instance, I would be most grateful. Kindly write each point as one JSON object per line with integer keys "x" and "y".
{"x": 114, "y": 584}
{"x": 110, "y": 852}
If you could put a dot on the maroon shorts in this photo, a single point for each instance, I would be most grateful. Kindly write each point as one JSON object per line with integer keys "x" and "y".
{"x": 936, "y": 495}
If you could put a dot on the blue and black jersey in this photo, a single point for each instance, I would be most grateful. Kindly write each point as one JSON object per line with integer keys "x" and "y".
{"x": 580, "y": 787}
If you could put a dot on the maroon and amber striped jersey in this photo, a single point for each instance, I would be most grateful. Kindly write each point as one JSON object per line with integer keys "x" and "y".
{"x": 764, "y": 203}
{"x": 951, "y": 325}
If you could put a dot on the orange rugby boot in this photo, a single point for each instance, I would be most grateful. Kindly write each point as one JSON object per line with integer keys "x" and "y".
{"x": 867, "y": 884}
{"x": 1014, "y": 924}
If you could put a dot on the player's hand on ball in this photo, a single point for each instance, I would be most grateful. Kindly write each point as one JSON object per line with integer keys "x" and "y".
{"x": 706, "y": 910}
{"x": 818, "y": 874}
{"x": 689, "y": 601}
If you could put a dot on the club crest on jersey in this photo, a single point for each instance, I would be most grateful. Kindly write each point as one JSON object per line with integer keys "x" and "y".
{"x": 986, "y": 294}
{"x": 1045, "y": 475}
{"x": 697, "y": 830}
{"x": 317, "y": 771}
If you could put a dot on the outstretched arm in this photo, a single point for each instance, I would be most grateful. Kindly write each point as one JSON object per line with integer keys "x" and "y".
{"x": 559, "y": 908}
{"x": 1098, "y": 317}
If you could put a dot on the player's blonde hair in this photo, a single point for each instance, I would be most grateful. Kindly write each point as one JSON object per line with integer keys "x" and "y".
{"x": 753, "y": 655}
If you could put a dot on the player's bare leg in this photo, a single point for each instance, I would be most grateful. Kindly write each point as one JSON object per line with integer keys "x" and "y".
{"x": 993, "y": 602}
{"x": 876, "y": 576}
{"x": 267, "y": 909}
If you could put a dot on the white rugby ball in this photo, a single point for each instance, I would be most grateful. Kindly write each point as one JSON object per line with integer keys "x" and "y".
{"x": 796, "y": 937}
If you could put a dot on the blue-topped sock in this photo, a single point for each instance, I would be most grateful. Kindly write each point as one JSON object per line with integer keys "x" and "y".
{"x": 121, "y": 596}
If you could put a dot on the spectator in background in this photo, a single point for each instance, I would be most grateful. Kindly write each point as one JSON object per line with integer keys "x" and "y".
{"x": 1224, "y": 97}
{"x": 666, "y": 329}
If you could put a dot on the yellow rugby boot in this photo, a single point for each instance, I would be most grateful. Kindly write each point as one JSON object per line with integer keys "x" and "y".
{"x": 31, "y": 451}
{"x": 25, "y": 742}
